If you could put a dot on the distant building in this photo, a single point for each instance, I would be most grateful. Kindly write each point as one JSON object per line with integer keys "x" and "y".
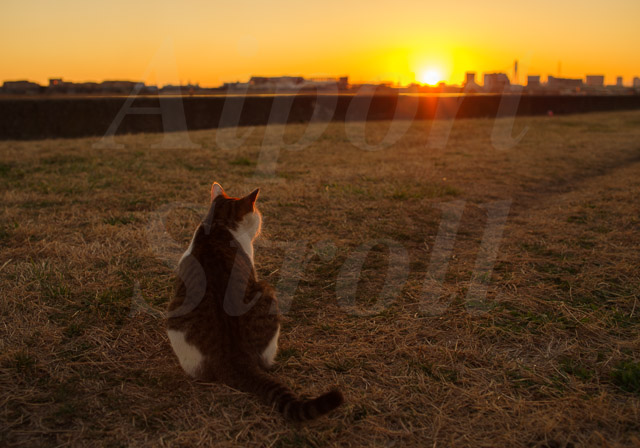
{"x": 496, "y": 82}
{"x": 636, "y": 82}
{"x": 619, "y": 82}
{"x": 341, "y": 83}
{"x": 262, "y": 82}
{"x": 175, "y": 89}
{"x": 87, "y": 87}
{"x": 58, "y": 85}
{"x": 470, "y": 78}
{"x": 563, "y": 83}
{"x": 124, "y": 87}
{"x": 595, "y": 80}
{"x": 470, "y": 85}
{"x": 293, "y": 83}
{"x": 235, "y": 86}
{"x": 21, "y": 87}
{"x": 533, "y": 81}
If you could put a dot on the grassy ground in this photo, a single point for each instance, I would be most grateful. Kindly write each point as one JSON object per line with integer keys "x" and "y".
{"x": 550, "y": 357}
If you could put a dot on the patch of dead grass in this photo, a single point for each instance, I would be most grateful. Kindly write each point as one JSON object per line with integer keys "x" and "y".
{"x": 548, "y": 361}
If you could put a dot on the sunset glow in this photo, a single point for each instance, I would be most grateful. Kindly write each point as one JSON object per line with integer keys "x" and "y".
{"x": 430, "y": 77}
{"x": 214, "y": 42}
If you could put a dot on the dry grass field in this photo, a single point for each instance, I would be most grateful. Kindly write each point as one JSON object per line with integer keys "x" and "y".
{"x": 549, "y": 357}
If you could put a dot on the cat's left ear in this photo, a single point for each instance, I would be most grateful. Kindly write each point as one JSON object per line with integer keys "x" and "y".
{"x": 253, "y": 196}
{"x": 216, "y": 190}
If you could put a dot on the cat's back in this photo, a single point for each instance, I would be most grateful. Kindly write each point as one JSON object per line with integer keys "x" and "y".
{"x": 212, "y": 267}
{"x": 214, "y": 273}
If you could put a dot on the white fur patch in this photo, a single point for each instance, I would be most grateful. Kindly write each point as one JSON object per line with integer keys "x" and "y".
{"x": 189, "y": 356}
{"x": 247, "y": 231}
{"x": 190, "y": 248}
{"x": 269, "y": 354}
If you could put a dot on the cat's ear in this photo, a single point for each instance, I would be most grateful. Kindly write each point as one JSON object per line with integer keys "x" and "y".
{"x": 216, "y": 190}
{"x": 253, "y": 196}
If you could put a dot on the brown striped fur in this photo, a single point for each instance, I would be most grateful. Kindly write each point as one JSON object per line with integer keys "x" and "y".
{"x": 227, "y": 317}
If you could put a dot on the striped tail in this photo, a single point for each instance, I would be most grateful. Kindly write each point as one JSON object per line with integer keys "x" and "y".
{"x": 292, "y": 408}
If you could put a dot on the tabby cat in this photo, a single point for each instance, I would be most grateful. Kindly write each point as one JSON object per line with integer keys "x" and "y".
{"x": 223, "y": 323}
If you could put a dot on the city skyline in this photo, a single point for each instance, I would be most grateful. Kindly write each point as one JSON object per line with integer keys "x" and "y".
{"x": 211, "y": 44}
{"x": 471, "y": 78}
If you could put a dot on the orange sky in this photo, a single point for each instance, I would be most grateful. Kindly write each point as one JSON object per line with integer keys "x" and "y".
{"x": 211, "y": 42}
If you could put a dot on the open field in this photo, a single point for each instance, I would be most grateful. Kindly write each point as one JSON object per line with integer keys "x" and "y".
{"x": 550, "y": 357}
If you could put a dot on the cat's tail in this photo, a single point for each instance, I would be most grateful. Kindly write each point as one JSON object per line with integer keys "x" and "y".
{"x": 277, "y": 394}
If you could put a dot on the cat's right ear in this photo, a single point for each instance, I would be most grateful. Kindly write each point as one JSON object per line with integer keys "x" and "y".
{"x": 216, "y": 190}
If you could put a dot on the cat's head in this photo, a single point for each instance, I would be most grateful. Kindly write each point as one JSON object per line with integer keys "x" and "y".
{"x": 238, "y": 214}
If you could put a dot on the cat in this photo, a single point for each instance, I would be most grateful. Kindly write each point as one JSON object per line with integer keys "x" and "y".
{"x": 223, "y": 324}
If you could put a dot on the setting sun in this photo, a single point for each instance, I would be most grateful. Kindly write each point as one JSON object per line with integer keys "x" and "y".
{"x": 430, "y": 77}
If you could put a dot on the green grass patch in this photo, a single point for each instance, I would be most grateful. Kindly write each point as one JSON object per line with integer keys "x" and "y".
{"x": 73, "y": 330}
{"x": 121, "y": 220}
{"x": 341, "y": 366}
{"x": 5, "y": 169}
{"x": 425, "y": 191}
{"x": 540, "y": 250}
{"x": 626, "y": 375}
{"x": 22, "y": 362}
{"x": 242, "y": 161}
{"x": 286, "y": 353}
{"x": 37, "y": 205}
{"x": 577, "y": 219}
{"x": 113, "y": 304}
{"x": 5, "y": 233}
{"x": 576, "y": 369}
